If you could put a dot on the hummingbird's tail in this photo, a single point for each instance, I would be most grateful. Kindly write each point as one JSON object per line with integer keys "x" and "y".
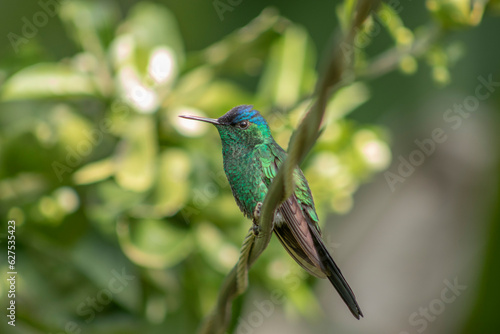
{"x": 335, "y": 276}
{"x": 302, "y": 239}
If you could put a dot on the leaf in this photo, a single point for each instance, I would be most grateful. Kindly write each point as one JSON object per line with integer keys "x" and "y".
{"x": 290, "y": 69}
{"x": 103, "y": 264}
{"x": 221, "y": 95}
{"x": 135, "y": 157}
{"x": 220, "y": 253}
{"x": 94, "y": 172}
{"x": 456, "y": 13}
{"x": 38, "y": 263}
{"x": 146, "y": 55}
{"x": 110, "y": 201}
{"x": 172, "y": 186}
{"x": 243, "y": 50}
{"x": 154, "y": 243}
{"x": 47, "y": 80}
{"x": 151, "y": 26}
{"x": 346, "y": 100}
{"x": 91, "y": 23}
{"x": 73, "y": 132}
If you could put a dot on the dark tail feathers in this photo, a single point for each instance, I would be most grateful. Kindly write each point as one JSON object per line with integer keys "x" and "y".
{"x": 337, "y": 279}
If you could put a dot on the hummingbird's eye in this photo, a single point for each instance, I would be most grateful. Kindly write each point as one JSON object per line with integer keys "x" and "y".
{"x": 243, "y": 124}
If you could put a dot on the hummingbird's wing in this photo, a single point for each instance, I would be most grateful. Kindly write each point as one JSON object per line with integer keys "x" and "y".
{"x": 294, "y": 234}
{"x": 290, "y": 226}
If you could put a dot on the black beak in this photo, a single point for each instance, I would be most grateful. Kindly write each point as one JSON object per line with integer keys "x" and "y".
{"x": 203, "y": 119}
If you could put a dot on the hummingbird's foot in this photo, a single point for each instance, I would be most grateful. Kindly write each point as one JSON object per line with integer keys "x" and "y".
{"x": 256, "y": 211}
{"x": 255, "y": 229}
{"x": 256, "y": 218}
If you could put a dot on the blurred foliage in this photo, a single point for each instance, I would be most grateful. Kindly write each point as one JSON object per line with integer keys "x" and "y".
{"x": 101, "y": 175}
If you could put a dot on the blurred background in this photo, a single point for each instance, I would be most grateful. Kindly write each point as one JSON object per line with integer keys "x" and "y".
{"x": 125, "y": 222}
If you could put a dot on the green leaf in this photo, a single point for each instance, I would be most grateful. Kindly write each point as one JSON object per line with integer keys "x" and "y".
{"x": 151, "y": 26}
{"x": 221, "y": 95}
{"x": 219, "y": 252}
{"x": 91, "y": 23}
{"x": 345, "y": 13}
{"x": 74, "y": 133}
{"x": 243, "y": 51}
{"x": 346, "y": 100}
{"x": 110, "y": 201}
{"x": 456, "y": 13}
{"x": 135, "y": 158}
{"x": 47, "y": 80}
{"x": 154, "y": 243}
{"x": 172, "y": 186}
{"x": 94, "y": 172}
{"x": 290, "y": 69}
{"x": 103, "y": 264}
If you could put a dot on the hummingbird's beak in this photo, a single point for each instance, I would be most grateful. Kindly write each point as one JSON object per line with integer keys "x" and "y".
{"x": 203, "y": 119}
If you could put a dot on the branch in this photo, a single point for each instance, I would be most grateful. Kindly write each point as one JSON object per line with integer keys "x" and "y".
{"x": 283, "y": 185}
{"x": 390, "y": 59}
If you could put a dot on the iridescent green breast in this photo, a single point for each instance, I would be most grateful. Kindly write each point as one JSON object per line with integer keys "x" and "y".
{"x": 244, "y": 173}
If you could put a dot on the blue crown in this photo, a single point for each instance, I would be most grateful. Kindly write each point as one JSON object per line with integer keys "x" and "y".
{"x": 242, "y": 113}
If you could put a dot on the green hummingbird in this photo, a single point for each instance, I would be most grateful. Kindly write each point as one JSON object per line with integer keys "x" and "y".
{"x": 251, "y": 160}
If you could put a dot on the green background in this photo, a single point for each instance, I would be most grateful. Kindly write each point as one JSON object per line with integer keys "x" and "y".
{"x": 103, "y": 178}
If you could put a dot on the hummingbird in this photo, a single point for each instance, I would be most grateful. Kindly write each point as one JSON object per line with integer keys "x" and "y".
{"x": 251, "y": 159}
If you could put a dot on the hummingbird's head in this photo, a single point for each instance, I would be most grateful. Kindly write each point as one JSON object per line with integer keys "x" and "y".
{"x": 241, "y": 127}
